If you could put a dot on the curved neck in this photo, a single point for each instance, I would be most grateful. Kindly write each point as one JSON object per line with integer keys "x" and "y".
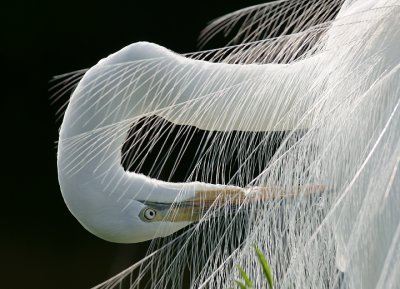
{"x": 144, "y": 79}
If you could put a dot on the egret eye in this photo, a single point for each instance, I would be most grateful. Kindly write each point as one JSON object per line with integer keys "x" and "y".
{"x": 148, "y": 214}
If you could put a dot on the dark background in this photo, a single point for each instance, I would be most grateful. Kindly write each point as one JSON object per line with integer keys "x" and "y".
{"x": 42, "y": 245}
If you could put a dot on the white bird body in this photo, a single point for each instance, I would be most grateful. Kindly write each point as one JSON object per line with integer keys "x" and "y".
{"x": 343, "y": 92}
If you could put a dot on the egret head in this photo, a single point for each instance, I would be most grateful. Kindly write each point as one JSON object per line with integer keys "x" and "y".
{"x": 139, "y": 222}
{"x": 130, "y": 207}
{"x": 125, "y": 219}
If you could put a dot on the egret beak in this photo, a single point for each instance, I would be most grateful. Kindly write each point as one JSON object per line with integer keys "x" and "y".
{"x": 192, "y": 210}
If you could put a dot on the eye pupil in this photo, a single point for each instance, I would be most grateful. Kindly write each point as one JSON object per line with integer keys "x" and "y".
{"x": 149, "y": 213}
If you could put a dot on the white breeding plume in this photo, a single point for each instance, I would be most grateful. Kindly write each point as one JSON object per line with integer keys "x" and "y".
{"x": 298, "y": 154}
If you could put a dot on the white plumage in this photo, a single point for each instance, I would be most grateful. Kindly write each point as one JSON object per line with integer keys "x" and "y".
{"x": 324, "y": 208}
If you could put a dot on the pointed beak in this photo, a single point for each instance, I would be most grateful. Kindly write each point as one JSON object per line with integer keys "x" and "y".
{"x": 194, "y": 209}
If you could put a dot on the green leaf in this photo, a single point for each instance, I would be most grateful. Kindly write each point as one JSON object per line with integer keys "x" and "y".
{"x": 245, "y": 277}
{"x": 240, "y": 284}
{"x": 265, "y": 266}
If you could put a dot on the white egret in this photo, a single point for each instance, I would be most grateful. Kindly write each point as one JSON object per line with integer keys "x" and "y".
{"x": 331, "y": 82}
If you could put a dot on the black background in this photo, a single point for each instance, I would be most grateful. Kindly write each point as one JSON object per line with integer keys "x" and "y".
{"x": 42, "y": 245}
